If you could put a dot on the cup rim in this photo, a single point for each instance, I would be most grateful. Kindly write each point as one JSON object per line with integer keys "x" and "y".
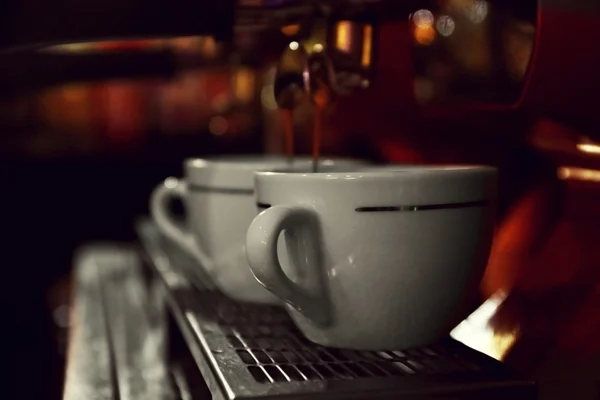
{"x": 249, "y": 162}
{"x": 385, "y": 172}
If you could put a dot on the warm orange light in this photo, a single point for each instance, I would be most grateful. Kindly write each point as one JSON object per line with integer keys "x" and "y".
{"x": 589, "y": 148}
{"x": 210, "y": 47}
{"x": 291, "y": 30}
{"x": 424, "y": 35}
{"x": 244, "y": 84}
{"x": 70, "y": 48}
{"x": 343, "y": 36}
{"x": 476, "y": 332}
{"x": 367, "y": 46}
{"x": 579, "y": 174}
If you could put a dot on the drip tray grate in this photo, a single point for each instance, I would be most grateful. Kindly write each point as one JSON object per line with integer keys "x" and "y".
{"x": 255, "y": 351}
{"x": 275, "y": 351}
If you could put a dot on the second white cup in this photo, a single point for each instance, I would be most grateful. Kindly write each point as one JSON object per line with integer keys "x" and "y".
{"x": 218, "y": 195}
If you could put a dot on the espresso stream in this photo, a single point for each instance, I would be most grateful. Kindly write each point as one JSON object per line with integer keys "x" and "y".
{"x": 317, "y": 134}
{"x": 288, "y": 131}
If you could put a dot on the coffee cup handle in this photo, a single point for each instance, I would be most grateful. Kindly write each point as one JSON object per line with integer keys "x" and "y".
{"x": 160, "y": 200}
{"x": 261, "y": 252}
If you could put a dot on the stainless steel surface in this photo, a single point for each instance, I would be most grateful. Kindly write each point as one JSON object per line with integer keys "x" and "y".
{"x": 89, "y": 370}
{"x": 118, "y": 342}
{"x": 137, "y": 333}
{"x": 251, "y": 352}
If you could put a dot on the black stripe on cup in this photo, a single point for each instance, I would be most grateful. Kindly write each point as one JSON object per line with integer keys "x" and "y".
{"x": 427, "y": 207}
{"x": 231, "y": 191}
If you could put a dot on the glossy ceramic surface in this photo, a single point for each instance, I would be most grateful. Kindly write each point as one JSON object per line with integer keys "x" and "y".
{"x": 220, "y": 204}
{"x": 379, "y": 259}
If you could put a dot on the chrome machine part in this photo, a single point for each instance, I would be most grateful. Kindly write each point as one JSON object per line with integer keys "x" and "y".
{"x": 334, "y": 48}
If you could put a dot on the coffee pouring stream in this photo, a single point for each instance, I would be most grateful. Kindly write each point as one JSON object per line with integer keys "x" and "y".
{"x": 331, "y": 55}
{"x": 334, "y": 57}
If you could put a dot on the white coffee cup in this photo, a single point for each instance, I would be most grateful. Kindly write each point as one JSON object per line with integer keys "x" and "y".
{"x": 218, "y": 196}
{"x": 379, "y": 259}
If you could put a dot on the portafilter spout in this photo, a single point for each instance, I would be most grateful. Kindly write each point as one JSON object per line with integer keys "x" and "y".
{"x": 334, "y": 49}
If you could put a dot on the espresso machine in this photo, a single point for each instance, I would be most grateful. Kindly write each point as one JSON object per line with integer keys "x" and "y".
{"x": 409, "y": 58}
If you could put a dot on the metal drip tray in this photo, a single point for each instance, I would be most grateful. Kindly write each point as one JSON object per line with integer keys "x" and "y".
{"x": 273, "y": 350}
{"x": 251, "y": 352}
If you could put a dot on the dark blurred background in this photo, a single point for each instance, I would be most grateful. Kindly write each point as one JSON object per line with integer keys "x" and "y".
{"x": 78, "y": 162}
{"x": 88, "y": 130}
